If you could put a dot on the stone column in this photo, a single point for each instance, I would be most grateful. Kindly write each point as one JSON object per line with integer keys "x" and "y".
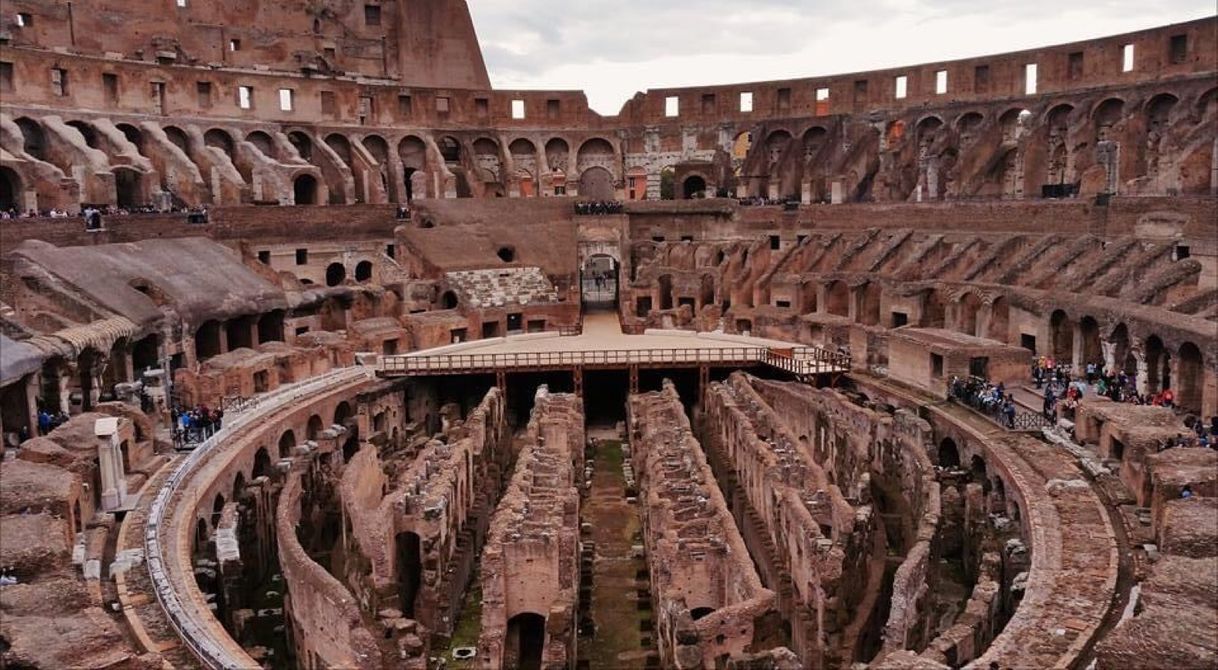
{"x": 1143, "y": 372}
{"x": 1076, "y": 346}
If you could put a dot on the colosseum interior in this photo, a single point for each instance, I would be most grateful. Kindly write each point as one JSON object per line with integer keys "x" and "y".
{"x": 320, "y": 352}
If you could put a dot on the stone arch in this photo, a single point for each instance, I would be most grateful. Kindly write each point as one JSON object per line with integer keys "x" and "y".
{"x": 336, "y": 273}
{"x": 1123, "y": 358}
{"x": 1105, "y": 115}
{"x": 270, "y": 326}
{"x": 837, "y": 298}
{"x": 128, "y": 187}
{"x": 1061, "y": 337}
{"x": 304, "y": 189}
{"x": 522, "y": 147}
{"x": 1190, "y": 373}
{"x": 927, "y": 127}
{"x": 488, "y": 160}
{"x": 949, "y": 453}
{"x": 34, "y": 139}
{"x": 314, "y": 427}
{"x": 1000, "y": 320}
{"x": 408, "y": 564}
{"x": 596, "y": 183}
{"x": 262, "y": 463}
{"x": 968, "y": 307}
{"x": 86, "y": 131}
{"x": 207, "y": 340}
{"x": 449, "y": 300}
{"x": 342, "y": 412}
{"x": 869, "y": 305}
{"x": 413, "y": 152}
{"x": 934, "y": 310}
{"x": 303, "y": 144}
{"x": 378, "y": 147}
{"x": 1158, "y": 365}
{"x": 450, "y": 149}
{"x": 524, "y": 641}
{"x": 217, "y": 508}
{"x": 594, "y": 151}
{"x": 263, "y": 142}
{"x": 286, "y": 441}
{"x": 238, "y": 485}
{"x": 220, "y": 139}
{"x": 968, "y": 127}
{"x": 341, "y": 146}
{"x": 134, "y": 135}
{"x": 178, "y": 138}
{"x": 558, "y": 154}
{"x": 363, "y": 271}
{"x": 11, "y": 190}
{"x": 1093, "y": 351}
{"x": 776, "y": 144}
{"x": 694, "y": 186}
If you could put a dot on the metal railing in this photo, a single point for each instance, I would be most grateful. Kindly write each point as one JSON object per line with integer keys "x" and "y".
{"x": 198, "y": 636}
{"x": 798, "y": 360}
{"x": 967, "y": 395}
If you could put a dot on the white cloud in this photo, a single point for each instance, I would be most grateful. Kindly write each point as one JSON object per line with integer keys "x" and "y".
{"x": 613, "y": 49}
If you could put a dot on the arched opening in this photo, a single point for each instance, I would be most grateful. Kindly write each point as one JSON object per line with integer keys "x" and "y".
{"x": 240, "y": 332}
{"x": 1092, "y": 351}
{"x": 127, "y": 189}
{"x": 968, "y": 126}
{"x": 409, "y": 555}
{"x": 507, "y": 254}
{"x": 217, "y": 508}
{"x": 262, "y": 463}
{"x": 207, "y": 341}
{"x": 1000, "y": 319}
{"x": 933, "y": 310}
{"x": 341, "y": 146}
{"x": 664, "y": 283}
{"x": 86, "y": 132}
{"x": 238, "y": 486}
{"x": 949, "y": 454}
{"x": 1189, "y": 372}
{"x": 558, "y": 154}
{"x": 1122, "y": 353}
{"x": 448, "y": 300}
{"x": 694, "y": 186}
{"x": 342, "y": 413}
{"x": 304, "y": 190}
{"x": 363, "y": 271}
{"x": 701, "y": 612}
{"x": 314, "y": 428}
{"x": 413, "y": 152}
{"x": 1061, "y": 335}
{"x": 86, "y": 364}
{"x": 178, "y": 138}
{"x": 1107, "y": 114}
{"x": 286, "y": 442}
{"x": 145, "y": 354}
{"x": 524, "y": 159}
{"x": 969, "y": 305}
{"x": 1158, "y": 365}
{"x": 219, "y": 139}
{"x": 598, "y": 282}
{"x": 487, "y": 159}
{"x": 335, "y": 274}
{"x": 596, "y": 183}
{"x": 807, "y": 297}
{"x": 869, "y": 308}
{"x": 706, "y": 291}
{"x": 10, "y": 190}
{"x": 263, "y": 142}
{"x": 837, "y": 298}
{"x": 35, "y": 141}
{"x": 133, "y": 134}
{"x": 977, "y": 470}
{"x": 270, "y": 326}
{"x": 302, "y": 144}
{"x": 450, "y": 150}
{"x": 526, "y": 637}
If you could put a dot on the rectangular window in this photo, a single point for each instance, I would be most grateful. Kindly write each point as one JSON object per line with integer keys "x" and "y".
{"x": 1074, "y": 66}
{"x": 372, "y": 15}
{"x": 941, "y": 82}
{"x": 1177, "y": 50}
{"x": 981, "y": 79}
{"x": 59, "y": 81}
{"x": 442, "y": 104}
{"x": 24, "y": 20}
{"x": 518, "y": 109}
{"x": 203, "y": 90}
{"x": 860, "y": 91}
{"x": 110, "y": 87}
{"x": 784, "y": 99}
{"x": 331, "y": 55}
{"x": 775, "y": 242}
{"x": 329, "y": 103}
{"x": 405, "y": 106}
{"x": 234, "y": 45}
{"x": 936, "y": 365}
{"x": 902, "y": 88}
{"x": 245, "y": 97}
{"x": 1029, "y": 79}
{"x": 553, "y": 109}
{"x": 822, "y": 101}
{"x": 181, "y": 3}
{"x": 746, "y": 102}
{"x": 708, "y": 103}
{"x": 6, "y": 77}
{"x": 482, "y": 106}
{"x": 367, "y": 109}
{"x": 672, "y": 106}
{"x": 158, "y": 96}
{"x": 302, "y": 256}
{"x": 264, "y": 257}
{"x": 1127, "y": 58}
{"x": 286, "y": 102}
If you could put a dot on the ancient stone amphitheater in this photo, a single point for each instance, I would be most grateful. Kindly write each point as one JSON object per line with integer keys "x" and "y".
{"x": 506, "y": 383}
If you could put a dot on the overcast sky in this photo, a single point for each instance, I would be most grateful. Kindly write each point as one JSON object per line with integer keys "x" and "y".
{"x": 614, "y": 48}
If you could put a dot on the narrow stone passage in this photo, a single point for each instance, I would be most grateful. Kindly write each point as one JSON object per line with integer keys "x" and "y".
{"x": 620, "y": 603}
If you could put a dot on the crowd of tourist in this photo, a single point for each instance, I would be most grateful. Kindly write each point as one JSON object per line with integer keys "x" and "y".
{"x": 599, "y": 207}
{"x": 761, "y": 202}
{"x": 985, "y": 397}
{"x": 1060, "y": 382}
{"x": 195, "y": 425}
{"x": 48, "y": 421}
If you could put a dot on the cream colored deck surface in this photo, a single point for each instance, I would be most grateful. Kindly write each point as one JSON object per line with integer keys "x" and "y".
{"x": 602, "y": 343}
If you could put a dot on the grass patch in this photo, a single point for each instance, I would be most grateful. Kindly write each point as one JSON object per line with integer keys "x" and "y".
{"x": 469, "y": 626}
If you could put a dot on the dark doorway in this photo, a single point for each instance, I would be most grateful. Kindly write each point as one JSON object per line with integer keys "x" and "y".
{"x": 127, "y": 188}
{"x": 410, "y": 571}
{"x": 10, "y": 190}
{"x": 335, "y": 274}
{"x": 305, "y": 190}
{"x": 526, "y": 637}
{"x": 694, "y": 187}
{"x": 363, "y": 271}
{"x": 598, "y": 282}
